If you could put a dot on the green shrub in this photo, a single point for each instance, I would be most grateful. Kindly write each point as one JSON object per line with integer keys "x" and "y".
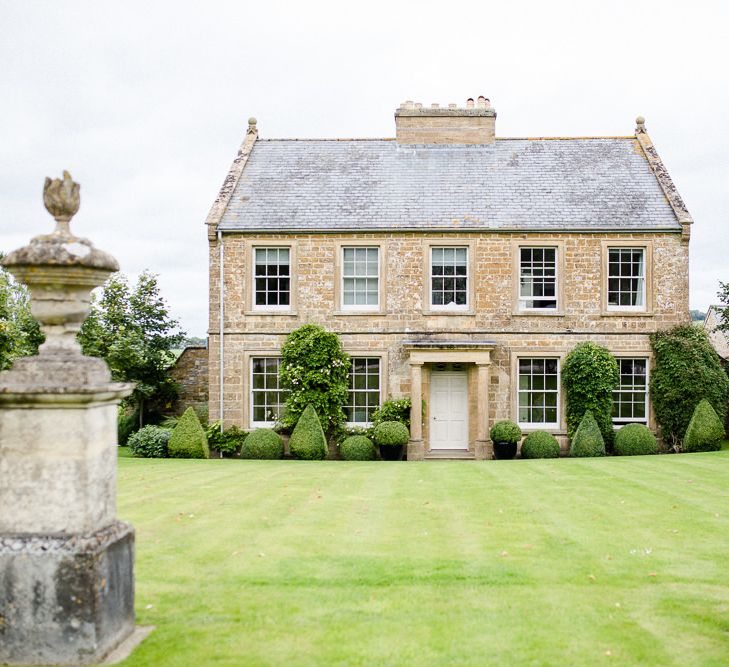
{"x": 357, "y": 448}
{"x": 315, "y": 370}
{"x": 149, "y": 442}
{"x": 394, "y": 410}
{"x": 391, "y": 434}
{"x": 127, "y": 423}
{"x": 505, "y": 431}
{"x": 589, "y": 375}
{"x": 263, "y": 443}
{"x": 588, "y": 439}
{"x": 228, "y": 442}
{"x": 687, "y": 370}
{"x": 308, "y": 440}
{"x": 540, "y": 445}
{"x": 188, "y": 440}
{"x": 635, "y": 440}
{"x": 705, "y": 430}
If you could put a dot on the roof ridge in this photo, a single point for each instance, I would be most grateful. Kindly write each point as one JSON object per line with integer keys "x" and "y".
{"x": 556, "y": 138}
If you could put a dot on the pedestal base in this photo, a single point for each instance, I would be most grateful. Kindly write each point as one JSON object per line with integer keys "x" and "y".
{"x": 416, "y": 450}
{"x": 66, "y": 599}
{"x": 484, "y": 450}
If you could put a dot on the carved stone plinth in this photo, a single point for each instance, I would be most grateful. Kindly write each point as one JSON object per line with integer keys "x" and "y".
{"x": 65, "y": 599}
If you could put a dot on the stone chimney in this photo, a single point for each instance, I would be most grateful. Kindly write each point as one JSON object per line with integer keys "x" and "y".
{"x": 473, "y": 124}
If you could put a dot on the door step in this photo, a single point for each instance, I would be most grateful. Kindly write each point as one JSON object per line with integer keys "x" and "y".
{"x": 440, "y": 454}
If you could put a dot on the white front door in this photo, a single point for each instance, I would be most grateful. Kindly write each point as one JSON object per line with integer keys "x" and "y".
{"x": 448, "y": 409}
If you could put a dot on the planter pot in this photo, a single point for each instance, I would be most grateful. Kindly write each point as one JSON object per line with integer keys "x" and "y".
{"x": 391, "y": 452}
{"x": 504, "y": 450}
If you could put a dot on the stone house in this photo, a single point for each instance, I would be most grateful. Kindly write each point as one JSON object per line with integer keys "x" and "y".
{"x": 718, "y": 338}
{"x": 458, "y": 268}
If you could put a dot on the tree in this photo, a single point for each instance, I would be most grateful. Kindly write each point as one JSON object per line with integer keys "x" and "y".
{"x": 315, "y": 370}
{"x": 20, "y": 334}
{"x": 723, "y": 295}
{"x": 589, "y": 375}
{"x": 132, "y": 330}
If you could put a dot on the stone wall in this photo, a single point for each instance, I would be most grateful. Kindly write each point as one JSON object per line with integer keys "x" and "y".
{"x": 190, "y": 371}
{"x": 404, "y": 313}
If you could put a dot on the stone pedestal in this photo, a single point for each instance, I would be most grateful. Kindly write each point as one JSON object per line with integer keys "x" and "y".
{"x": 66, "y": 599}
{"x": 66, "y": 563}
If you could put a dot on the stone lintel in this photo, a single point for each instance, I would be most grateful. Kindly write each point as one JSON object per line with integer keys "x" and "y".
{"x": 66, "y": 599}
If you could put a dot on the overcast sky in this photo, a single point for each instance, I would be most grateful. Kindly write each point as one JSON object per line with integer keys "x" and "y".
{"x": 146, "y": 103}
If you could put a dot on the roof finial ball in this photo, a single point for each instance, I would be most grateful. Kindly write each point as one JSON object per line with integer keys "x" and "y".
{"x": 252, "y": 129}
{"x": 640, "y": 125}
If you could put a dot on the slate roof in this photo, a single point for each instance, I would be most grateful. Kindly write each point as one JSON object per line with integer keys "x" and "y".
{"x": 590, "y": 184}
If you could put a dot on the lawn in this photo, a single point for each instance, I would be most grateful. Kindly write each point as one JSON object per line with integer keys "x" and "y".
{"x": 621, "y": 561}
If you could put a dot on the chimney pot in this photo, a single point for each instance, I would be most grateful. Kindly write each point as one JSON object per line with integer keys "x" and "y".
{"x": 445, "y": 124}
{"x": 452, "y": 106}
{"x": 435, "y": 105}
{"x": 469, "y": 103}
{"x": 418, "y": 105}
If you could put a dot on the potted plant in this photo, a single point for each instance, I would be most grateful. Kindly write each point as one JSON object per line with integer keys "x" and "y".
{"x": 505, "y": 435}
{"x": 391, "y": 437}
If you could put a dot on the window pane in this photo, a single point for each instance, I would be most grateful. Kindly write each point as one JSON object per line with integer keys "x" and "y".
{"x": 364, "y": 389}
{"x": 538, "y": 391}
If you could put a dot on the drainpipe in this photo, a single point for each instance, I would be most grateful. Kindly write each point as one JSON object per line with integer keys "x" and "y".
{"x": 221, "y": 321}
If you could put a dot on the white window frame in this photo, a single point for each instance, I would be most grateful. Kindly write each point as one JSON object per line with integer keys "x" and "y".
{"x": 354, "y": 306}
{"x": 644, "y": 280}
{"x": 252, "y": 391}
{"x": 539, "y": 425}
{"x": 521, "y": 300}
{"x": 379, "y": 388}
{"x": 620, "y": 421}
{"x": 451, "y": 307}
{"x": 266, "y": 307}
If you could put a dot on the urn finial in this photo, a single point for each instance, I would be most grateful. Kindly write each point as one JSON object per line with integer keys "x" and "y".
{"x": 62, "y": 199}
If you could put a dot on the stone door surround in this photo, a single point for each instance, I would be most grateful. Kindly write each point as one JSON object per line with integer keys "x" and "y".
{"x": 428, "y": 351}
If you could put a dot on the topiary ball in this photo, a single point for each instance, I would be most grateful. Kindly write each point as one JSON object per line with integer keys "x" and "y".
{"x": 705, "y": 430}
{"x": 357, "y": 448}
{"x": 540, "y": 445}
{"x": 635, "y": 440}
{"x": 308, "y": 441}
{"x": 391, "y": 434}
{"x": 149, "y": 442}
{"x": 505, "y": 431}
{"x": 588, "y": 440}
{"x": 188, "y": 439}
{"x": 263, "y": 443}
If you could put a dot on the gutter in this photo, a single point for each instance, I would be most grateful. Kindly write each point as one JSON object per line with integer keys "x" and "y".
{"x": 221, "y": 322}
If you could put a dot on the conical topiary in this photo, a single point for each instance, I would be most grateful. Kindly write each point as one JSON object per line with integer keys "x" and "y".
{"x": 588, "y": 440}
{"x": 188, "y": 440}
{"x": 705, "y": 430}
{"x": 308, "y": 440}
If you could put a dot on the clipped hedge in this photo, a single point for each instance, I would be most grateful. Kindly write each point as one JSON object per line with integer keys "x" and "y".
{"x": 705, "y": 430}
{"x": 687, "y": 370}
{"x": 263, "y": 443}
{"x": 149, "y": 442}
{"x": 635, "y": 440}
{"x": 391, "y": 434}
{"x": 540, "y": 445}
{"x": 308, "y": 441}
{"x": 505, "y": 431}
{"x": 357, "y": 448}
{"x": 588, "y": 439}
{"x": 188, "y": 440}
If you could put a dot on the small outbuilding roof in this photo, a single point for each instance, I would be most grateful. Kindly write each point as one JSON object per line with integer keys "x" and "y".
{"x": 564, "y": 184}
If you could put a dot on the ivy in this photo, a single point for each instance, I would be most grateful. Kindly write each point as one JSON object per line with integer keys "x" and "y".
{"x": 687, "y": 370}
{"x": 315, "y": 370}
{"x": 589, "y": 375}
